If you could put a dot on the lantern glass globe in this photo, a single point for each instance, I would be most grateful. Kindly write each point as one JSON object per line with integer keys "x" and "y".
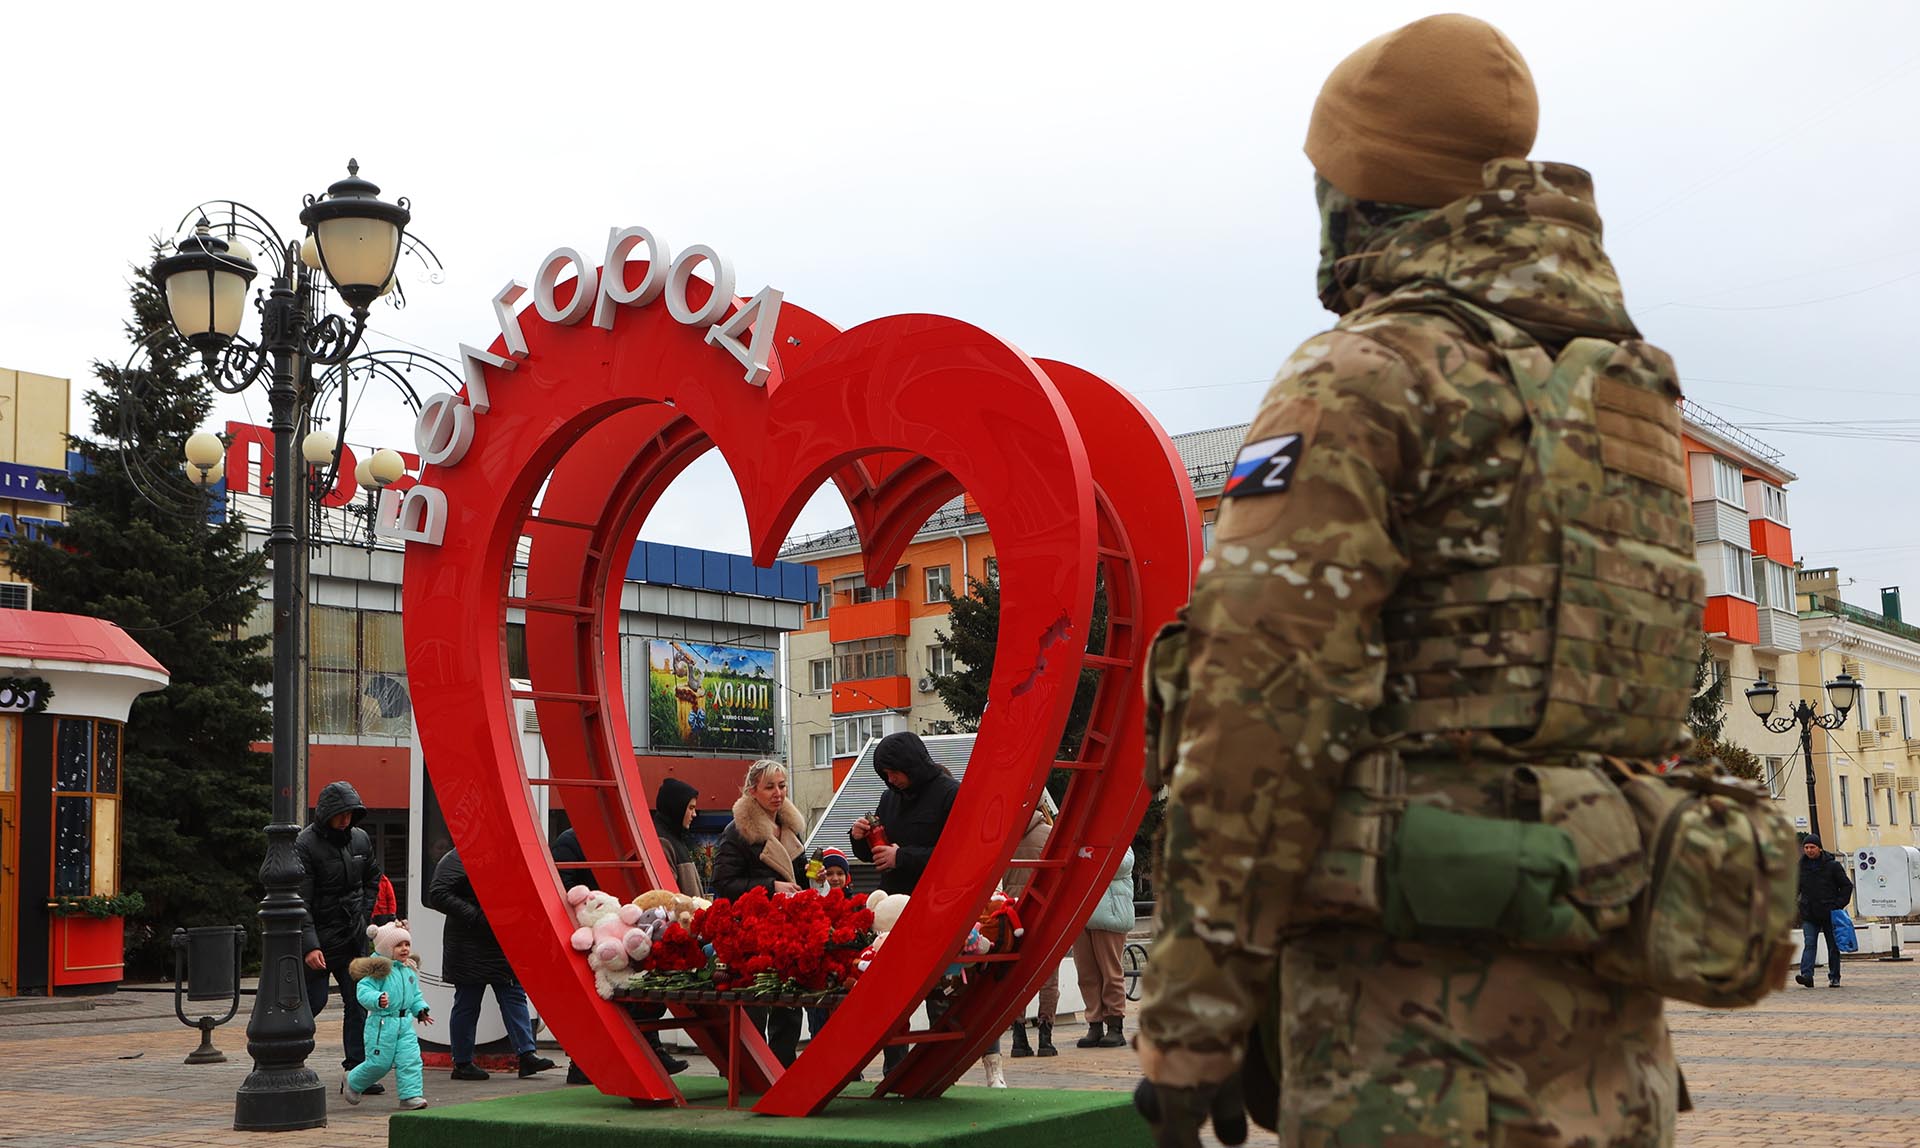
{"x": 205, "y": 449}
{"x": 318, "y": 447}
{"x": 386, "y": 466}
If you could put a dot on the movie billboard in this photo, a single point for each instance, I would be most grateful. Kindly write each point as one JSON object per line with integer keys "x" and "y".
{"x": 709, "y": 697}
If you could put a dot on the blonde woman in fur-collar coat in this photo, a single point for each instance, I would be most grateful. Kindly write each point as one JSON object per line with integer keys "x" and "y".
{"x": 762, "y": 847}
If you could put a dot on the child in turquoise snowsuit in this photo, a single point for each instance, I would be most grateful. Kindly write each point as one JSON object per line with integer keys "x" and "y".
{"x": 389, "y": 990}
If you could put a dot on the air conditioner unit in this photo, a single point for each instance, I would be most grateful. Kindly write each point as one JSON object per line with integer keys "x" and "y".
{"x": 1883, "y": 779}
{"x": 1883, "y": 724}
{"x": 1869, "y": 739}
{"x": 1907, "y": 785}
{"x": 1851, "y": 667}
{"x": 926, "y": 685}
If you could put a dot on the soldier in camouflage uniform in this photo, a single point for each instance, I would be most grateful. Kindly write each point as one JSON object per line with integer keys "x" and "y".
{"x": 1401, "y": 562}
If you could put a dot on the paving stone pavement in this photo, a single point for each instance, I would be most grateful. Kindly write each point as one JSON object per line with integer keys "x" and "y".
{"x": 1807, "y": 1065}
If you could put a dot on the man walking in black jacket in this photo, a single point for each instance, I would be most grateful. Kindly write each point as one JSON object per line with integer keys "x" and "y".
{"x": 1824, "y": 887}
{"x": 341, "y": 883}
{"x": 472, "y": 963}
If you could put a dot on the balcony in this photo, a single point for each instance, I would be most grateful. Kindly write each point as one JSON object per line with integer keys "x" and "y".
{"x": 1717, "y": 521}
{"x": 884, "y": 619}
{"x": 1779, "y": 632}
{"x": 893, "y": 693}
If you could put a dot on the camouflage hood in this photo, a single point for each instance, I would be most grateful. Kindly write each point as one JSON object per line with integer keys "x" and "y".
{"x": 1527, "y": 248}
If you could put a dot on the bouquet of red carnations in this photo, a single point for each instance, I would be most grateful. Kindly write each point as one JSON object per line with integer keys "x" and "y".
{"x": 802, "y": 942}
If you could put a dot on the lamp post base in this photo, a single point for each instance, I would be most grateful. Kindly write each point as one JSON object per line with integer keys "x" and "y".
{"x": 280, "y": 1101}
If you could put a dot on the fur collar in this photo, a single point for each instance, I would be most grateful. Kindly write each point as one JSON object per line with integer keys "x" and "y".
{"x": 375, "y": 967}
{"x": 756, "y": 824}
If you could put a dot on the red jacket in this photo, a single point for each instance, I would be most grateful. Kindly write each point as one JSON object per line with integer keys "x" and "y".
{"x": 385, "y": 905}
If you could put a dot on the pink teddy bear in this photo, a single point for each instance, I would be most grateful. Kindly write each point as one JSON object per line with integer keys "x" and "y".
{"x": 609, "y": 933}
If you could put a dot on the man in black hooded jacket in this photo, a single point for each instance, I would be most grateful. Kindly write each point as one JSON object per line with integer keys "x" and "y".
{"x": 340, "y": 885}
{"x": 912, "y": 812}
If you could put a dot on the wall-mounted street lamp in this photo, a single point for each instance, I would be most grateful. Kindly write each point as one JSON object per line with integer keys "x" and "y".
{"x": 1842, "y": 692}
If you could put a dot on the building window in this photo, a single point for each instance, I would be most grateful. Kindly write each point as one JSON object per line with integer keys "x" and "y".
{"x": 1881, "y": 696}
{"x": 1906, "y": 720}
{"x": 1892, "y": 817}
{"x": 1736, "y": 571}
{"x": 939, "y": 661}
{"x": 1913, "y": 808}
{"x": 993, "y": 572}
{"x": 939, "y": 583}
{"x": 1729, "y": 485}
{"x": 1776, "y": 782}
{"x": 820, "y": 674}
{"x": 1206, "y": 530}
{"x": 1772, "y": 584}
{"x": 851, "y": 733}
{"x": 1846, "y": 801}
{"x": 357, "y": 683}
{"x": 823, "y": 599}
{"x": 1773, "y": 503}
{"x": 1866, "y": 787}
{"x": 868, "y": 658}
{"x": 821, "y": 751}
{"x": 16, "y": 595}
{"x": 86, "y": 807}
{"x": 886, "y": 591}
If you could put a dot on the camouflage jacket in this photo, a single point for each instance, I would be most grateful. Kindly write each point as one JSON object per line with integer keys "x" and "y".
{"x": 1387, "y": 451}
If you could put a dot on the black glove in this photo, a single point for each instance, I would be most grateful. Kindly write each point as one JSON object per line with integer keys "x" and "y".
{"x": 1178, "y": 1114}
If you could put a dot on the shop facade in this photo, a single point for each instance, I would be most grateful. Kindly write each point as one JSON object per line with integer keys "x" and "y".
{"x": 66, "y": 686}
{"x": 684, "y": 613}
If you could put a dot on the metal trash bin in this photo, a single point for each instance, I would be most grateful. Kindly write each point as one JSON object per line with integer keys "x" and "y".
{"x": 206, "y": 967}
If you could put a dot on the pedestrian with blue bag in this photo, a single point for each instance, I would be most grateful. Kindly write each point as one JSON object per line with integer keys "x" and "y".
{"x": 1824, "y": 887}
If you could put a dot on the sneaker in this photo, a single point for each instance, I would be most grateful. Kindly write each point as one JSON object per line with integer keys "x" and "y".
{"x": 374, "y": 1089}
{"x": 531, "y": 1062}
{"x": 1804, "y": 980}
{"x": 673, "y": 1064}
{"x": 346, "y": 1091}
{"x": 414, "y": 1103}
{"x": 470, "y": 1071}
{"x": 1834, "y": 984}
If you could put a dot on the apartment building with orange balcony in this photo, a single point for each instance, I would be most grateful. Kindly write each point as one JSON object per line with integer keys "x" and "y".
{"x": 863, "y": 664}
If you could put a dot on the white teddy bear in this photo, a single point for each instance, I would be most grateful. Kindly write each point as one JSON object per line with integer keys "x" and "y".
{"x": 608, "y": 933}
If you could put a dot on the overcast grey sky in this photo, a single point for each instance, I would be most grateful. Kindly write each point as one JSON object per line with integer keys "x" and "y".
{"x": 1120, "y": 187}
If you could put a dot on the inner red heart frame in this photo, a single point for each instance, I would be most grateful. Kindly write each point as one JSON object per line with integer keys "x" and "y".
{"x": 902, "y": 413}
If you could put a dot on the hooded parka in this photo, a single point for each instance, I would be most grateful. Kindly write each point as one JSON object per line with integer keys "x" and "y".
{"x": 341, "y": 878}
{"x": 912, "y": 817}
{"x": 669, "y": 813}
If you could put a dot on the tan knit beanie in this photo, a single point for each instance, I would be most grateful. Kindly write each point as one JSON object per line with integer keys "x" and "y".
{"x": 1412, "y": 117}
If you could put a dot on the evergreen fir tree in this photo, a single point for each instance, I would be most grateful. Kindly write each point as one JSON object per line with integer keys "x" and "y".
{"x": 194, "y": 795}
{"x": 1706, "y": 714}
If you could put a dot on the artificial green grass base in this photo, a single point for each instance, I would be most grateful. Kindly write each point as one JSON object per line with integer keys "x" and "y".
{"x": 573, "y": 1117}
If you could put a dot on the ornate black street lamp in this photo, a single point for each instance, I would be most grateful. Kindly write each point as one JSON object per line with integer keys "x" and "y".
{"x": 355, "y": 239}
{"x": 1842, "y": 692}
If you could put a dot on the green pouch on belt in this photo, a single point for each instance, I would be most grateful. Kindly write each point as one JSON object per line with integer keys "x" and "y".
{"x": 1450, "y": 873}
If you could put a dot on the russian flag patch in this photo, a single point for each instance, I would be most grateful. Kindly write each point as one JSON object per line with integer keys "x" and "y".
{"x": 1264, "y": 467}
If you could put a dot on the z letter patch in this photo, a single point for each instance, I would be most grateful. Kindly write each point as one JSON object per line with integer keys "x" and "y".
{"x": 1264, "y": 467}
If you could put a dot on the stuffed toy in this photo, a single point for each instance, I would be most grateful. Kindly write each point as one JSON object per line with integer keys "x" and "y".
{"x": 1000, "y": 922}
{"x": 679, "y": 906}
{"x": 609, "y": 933}
{"x": 887, "y": 908}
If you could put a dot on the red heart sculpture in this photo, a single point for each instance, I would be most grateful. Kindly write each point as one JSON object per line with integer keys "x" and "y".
{"x": 902, "y": 413}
